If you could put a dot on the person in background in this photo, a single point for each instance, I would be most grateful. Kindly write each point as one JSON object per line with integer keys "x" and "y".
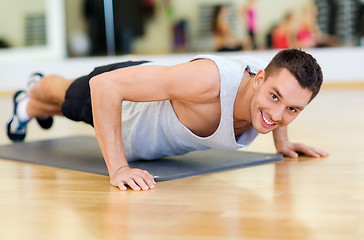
{"x": 224, "y": 37}
{"x": 309, "y": 34}
{"x": 284, "y": 33}
{"x": 250, "y": 15}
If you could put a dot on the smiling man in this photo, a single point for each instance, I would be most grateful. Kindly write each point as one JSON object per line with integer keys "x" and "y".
{"x": 145, "y": 111}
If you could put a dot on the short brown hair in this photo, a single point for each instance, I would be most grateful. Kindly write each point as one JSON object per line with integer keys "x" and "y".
{"x": 301, "y": 65}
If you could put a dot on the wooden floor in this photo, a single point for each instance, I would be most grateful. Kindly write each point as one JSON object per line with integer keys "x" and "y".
{"x": 293, "y": 199}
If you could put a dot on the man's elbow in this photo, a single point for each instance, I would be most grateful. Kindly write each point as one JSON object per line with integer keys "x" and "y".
{"x": 100, "y": 85}
{"x": 95, "y": 83}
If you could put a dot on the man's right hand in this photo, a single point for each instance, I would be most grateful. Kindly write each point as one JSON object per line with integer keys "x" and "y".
{"x": 136, "y": 179}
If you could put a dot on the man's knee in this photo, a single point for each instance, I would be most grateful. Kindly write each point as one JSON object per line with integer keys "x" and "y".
{"x": 51, "y": 89}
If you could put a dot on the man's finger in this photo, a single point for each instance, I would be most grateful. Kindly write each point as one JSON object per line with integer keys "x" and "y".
{"x": 149, "y": 179}
{"x": 289, "y": 153}
{"x": 298, "y": 147}
{"x": 133, "y": 185}
{"x": 321, "y": 152}
{"x": 141, "y": 183}
{"x": 309, "y": 151}
{"x": 149, "y": 176}
{"x": 292, "y": 154}
{"x": 122, "y": 187}
{"x": 150, "y": 183}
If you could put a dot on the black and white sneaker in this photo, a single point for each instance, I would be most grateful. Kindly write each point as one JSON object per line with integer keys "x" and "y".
{"x": 15, "y": 128}
{"x": 45, "y": 122}
{"x": 33, "y": 79}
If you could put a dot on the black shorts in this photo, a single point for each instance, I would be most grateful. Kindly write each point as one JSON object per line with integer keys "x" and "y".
{"x": 77, "y": 103}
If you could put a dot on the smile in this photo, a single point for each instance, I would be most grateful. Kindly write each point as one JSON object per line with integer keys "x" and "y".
{"x": 266, "y": 121}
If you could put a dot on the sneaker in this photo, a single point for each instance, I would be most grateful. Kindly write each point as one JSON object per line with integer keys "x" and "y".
{"x": 34, "y": 78}
{"x": 17, "y": 129}
{"x": 45, "y": 122}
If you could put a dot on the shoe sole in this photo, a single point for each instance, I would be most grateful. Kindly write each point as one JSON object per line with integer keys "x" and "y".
{"x": 13, "y": 136}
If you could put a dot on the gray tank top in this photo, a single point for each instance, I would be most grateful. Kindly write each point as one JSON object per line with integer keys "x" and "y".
{"x": 151, "y": 130}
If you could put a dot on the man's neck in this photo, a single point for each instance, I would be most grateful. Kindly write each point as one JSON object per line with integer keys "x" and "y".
{"x": 243, "y": 99}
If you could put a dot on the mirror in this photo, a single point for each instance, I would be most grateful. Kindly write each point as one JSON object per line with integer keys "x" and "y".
{"x": 22, "y": 23}
{"x": 185, "y": 26}
{"x": 31, "y": 30}
{"x": 60, "y": 28}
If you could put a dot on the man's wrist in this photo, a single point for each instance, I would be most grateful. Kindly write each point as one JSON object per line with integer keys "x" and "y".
{"x": 112, "y": 172}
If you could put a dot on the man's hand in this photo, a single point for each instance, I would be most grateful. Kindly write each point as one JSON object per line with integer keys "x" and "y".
{"x": 136, "y": 179}
{"x": 289, "y": 149}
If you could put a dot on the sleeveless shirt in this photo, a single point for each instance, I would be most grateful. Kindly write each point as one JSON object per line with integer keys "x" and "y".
{"x": 151, "y": 130}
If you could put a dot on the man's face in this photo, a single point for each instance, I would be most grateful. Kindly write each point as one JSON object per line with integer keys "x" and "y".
{"x": 277, "y": 101}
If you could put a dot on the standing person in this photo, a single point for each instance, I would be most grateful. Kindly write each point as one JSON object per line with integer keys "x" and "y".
{"x": 224, "y": 37}
{"x": 144, "y": 111}
{"x": 284, "y": 34}
{"x": 93, "y": 11}
{"x": 309, "y": 34}
{"x": 250, "y": 16}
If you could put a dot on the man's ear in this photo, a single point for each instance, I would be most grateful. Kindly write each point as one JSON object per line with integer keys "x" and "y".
{"x": 259, "y": 78}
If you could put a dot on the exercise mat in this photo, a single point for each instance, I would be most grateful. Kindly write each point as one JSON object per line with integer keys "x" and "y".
{"x": 82, "y": 153}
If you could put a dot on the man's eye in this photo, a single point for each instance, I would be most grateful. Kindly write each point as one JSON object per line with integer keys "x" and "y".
{"x": 291, "y": 109}
{"x": 274, "y": 97}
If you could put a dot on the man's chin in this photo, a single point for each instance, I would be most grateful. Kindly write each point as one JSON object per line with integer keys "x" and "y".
{"x": 263, "y": 130}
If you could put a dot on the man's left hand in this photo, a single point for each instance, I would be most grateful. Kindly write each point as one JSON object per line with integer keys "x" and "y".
{"x": 289, "y": 149}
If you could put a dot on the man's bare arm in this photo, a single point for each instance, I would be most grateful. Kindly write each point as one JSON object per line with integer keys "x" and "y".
{"x": 284, "y": 146}
{"x": 191, "y": 82}
{"x": 107, "y": 122}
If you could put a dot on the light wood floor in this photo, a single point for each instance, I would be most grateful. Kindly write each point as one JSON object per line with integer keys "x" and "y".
{"x": 293, "y": 199}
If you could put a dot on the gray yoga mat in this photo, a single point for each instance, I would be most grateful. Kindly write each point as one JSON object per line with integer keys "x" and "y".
{"x": 82, "y": 153}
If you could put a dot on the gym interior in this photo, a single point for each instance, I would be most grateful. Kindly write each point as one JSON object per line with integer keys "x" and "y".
{"x": 293, "y": 198}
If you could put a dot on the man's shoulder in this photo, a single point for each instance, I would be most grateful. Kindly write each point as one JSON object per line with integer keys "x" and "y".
{"x": 239, "y": 60}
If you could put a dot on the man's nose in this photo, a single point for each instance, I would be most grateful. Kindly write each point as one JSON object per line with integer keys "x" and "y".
{"x": 277, "y": 113}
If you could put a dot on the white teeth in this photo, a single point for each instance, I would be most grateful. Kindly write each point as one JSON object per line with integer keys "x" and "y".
{"x": 267, "y": 121}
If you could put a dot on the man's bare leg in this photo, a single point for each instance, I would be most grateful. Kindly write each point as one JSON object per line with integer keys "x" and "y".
{"x": 43, "y": 100}
{"x": 36, "y": 108}
{"x": 47, "y": 96}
